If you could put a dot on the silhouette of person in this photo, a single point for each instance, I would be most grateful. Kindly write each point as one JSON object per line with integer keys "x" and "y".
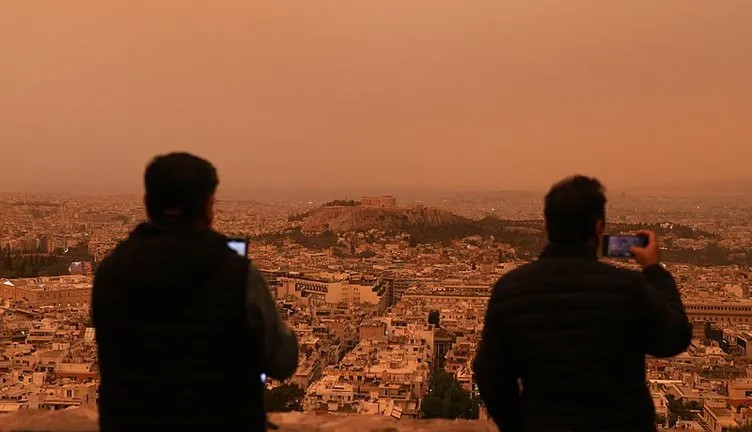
{"x": 565, "y": 337}
{"x": 186, "y": 328}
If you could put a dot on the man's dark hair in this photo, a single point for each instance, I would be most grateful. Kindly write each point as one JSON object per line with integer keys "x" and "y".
{"x": 573, "y": 206}
{"x": 178, "y": 186}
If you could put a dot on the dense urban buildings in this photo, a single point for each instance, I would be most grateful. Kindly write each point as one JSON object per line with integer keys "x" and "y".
{"x": 382, "y": 297}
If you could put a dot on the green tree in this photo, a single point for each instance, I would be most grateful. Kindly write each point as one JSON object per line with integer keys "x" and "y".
{"x": 434, "y": 317}
{"x": 447, "y": 400}
{"x": 679, "y": 411}
{"x": 27, "y": 269}
{"x": 284, "y": 398}
{"x": 368, "y": 253}
{"x": 8, "y": 262}
{"x": 342, "y": 203}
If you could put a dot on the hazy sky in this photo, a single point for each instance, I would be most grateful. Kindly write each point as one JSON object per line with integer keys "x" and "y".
{"x": 484, "y": 94}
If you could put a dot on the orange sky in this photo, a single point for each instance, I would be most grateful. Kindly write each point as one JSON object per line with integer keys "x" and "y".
{"x": 484, "y": 94}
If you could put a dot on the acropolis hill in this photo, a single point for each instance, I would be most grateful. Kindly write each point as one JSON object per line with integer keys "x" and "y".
{"x": 359, "y": 218}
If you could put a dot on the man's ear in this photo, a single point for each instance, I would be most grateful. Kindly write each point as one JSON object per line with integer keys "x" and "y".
{"x": 600, "y": 228}
{"x": 209, "y": 209}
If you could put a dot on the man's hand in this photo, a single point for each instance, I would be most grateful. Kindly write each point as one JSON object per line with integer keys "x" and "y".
{"x": 650, "y": 254}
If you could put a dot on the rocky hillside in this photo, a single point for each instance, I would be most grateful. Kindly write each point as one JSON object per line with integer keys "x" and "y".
{"x": 319, "y": 229}
{"x": 345, "y": 219}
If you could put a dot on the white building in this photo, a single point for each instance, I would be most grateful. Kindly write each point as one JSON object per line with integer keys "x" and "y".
{"x": 321, "y": 291}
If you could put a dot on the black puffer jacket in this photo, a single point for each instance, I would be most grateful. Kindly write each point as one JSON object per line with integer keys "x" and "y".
{"x": 565, "y": 340}
{"x": 175, "y": 346}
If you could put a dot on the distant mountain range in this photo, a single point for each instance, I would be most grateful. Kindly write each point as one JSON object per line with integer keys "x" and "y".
{"x": 719, "y": 187}
{"x": 678, "y": 188}
{"x": 404, "y": 194}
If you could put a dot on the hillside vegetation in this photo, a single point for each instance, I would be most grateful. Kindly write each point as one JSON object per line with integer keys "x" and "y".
{"x": 318, "y": 229}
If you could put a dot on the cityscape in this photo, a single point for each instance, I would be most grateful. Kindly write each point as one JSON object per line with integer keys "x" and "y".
{"x": 376, "y": 216}
{"x": 385, "y": 297}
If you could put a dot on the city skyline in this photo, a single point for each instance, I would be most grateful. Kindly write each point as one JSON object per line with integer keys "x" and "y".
{"x": 372, "y": 298}
{"x": 387, "y": 167}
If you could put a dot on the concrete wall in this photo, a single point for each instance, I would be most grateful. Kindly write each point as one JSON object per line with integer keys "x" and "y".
{"x": 84, "y": 419}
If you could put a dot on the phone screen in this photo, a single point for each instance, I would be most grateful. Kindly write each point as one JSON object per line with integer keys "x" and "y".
{"x": 617, "y": 246}
{"x": 239, "y": 246}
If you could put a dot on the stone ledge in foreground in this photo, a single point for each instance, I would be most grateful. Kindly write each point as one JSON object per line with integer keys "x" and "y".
{"x": 84, "y": 419}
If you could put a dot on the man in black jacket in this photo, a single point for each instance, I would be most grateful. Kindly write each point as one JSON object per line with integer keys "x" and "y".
{"x": 186, "y": 328}
{"x": 565, "y": 337}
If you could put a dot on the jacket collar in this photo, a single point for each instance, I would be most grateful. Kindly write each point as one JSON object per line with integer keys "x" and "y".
{"x": 151, "y": 229}
{"x": 156, "y": 227}
{"x": 569, "y": 250}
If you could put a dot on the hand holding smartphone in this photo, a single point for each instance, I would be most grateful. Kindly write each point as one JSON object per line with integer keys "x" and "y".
{"x": 619, "y": 246}
{"x": 643, "y": 248}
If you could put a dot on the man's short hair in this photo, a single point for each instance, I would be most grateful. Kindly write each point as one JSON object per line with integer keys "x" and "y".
{"x": 573, "y": 206}
{"x": 178, "y": 186}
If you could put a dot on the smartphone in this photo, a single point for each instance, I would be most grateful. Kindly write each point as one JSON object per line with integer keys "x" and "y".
{"x": 617, "y": 246}
{"x": 239, "y": 245}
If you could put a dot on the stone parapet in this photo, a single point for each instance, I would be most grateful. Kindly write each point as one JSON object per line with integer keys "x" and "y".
{"x": 84, "y": 419}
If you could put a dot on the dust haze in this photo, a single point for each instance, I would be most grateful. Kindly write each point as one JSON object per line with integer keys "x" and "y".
{"x": 376, "y": 94}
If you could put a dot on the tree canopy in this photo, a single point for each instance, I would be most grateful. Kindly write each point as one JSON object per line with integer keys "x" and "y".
{"x": 447, "y": 400}
{"x": 284, "y": 398}
{"x": 342, "y": 203}
{"x": 679, "y": 411}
